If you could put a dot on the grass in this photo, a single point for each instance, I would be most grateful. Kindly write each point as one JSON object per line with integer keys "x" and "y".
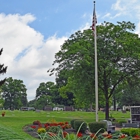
{"x": 14, "y": 121}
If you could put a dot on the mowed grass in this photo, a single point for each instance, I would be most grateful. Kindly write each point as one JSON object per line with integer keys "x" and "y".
{"x": 14, "y": 121}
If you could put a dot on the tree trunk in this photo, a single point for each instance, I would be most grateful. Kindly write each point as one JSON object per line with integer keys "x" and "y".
{"x": 107, "y": 109}
{"x": 91, "y": 107}
{"x": 114, "y": 102}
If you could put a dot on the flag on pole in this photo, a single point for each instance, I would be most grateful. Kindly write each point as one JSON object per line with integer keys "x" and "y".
{"x": 94, "y": 21}
{"x": 96, "y": 66}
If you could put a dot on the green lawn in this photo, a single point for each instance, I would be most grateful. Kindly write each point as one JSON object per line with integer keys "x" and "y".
{"x": 14, "y": 121}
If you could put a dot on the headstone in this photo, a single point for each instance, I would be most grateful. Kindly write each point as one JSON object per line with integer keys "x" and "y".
{"x": 68, "y": 108}
{"x": 48, "y": 108}
{"x": 123, "y": 111}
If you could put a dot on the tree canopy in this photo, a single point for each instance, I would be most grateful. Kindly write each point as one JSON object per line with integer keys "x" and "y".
{"x": 118, "y": 50}
{"x": 50, "y": 92}
{"x": 14, "y": 93}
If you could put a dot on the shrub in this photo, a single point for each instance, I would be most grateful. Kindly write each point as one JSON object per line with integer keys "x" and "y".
{"x": 29, "y": 129}
{"x": 80, "y": 126}
{"x": 131, "y": 131}
{"x": 95, "y": 126}
{"x": 71, "y": 136}
{"x": 41, "y": 130}
{"x": 54, "y": 129}
{"x": 134, "y": 131}
{"x": 126, "y": 131}
{"x": 122, "y": 121}
{"x": 72, "y": 122}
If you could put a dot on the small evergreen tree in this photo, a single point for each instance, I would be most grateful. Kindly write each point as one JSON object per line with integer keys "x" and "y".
{"x": 2, "y": 69}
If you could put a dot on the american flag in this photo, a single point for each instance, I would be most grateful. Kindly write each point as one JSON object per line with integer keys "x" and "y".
{"x": 94, "y": 21}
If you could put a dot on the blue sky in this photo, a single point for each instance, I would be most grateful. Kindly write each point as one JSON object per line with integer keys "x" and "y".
{"x": 32, "y": 31}
{"x": 59, "y": 16}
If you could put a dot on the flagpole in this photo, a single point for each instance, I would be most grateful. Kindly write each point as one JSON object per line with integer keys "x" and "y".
{"x": 96, "y": 67}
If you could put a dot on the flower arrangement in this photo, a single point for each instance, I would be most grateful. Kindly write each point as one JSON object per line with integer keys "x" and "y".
{"x": 55, "y": 131}
{"x": 3, "y": 114}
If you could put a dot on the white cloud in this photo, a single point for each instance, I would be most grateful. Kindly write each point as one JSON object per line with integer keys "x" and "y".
{"x": 86, "y": 26}
{"x": 118, "y": 6}
{"x": 25, "y": 52}
{"x": 131, "y": 8}
{"x": 138, "y": 29}
{"x": 107, "y": 15}
{"x": 84, "y": 15}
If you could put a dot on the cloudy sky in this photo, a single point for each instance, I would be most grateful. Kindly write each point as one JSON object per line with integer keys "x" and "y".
{"x": 32, "y": 31}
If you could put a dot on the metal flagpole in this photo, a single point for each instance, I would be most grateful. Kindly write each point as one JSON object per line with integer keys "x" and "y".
{"x": 96, "y": 66}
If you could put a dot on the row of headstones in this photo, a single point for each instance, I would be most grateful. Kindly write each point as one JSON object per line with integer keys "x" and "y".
{"x": 66, "y": 108}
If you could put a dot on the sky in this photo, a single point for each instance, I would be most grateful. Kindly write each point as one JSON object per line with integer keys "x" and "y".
{"x": 32, "y": 31}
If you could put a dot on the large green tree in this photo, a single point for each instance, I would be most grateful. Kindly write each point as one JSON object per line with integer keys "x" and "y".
{"x": 45, "y": 89}
{"x": 14, "y": 93}
{"x": 43, "y": 101}
{"x": 118, "y": 57}
{"x": 50, "y": 89}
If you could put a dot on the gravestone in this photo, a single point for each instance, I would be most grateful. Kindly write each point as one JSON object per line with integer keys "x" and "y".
{"x": 135, "y": 114}
{"x": 68, "y": 108}
{"x": 134, "y": 122}
{"x": 48, "y": 108}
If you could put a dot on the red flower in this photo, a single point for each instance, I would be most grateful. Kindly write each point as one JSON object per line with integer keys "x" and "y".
{"x": 79, "y": 134}
{"x": 66, "y": 123}
{"x": 33, "y": 126}
{"x": 46, "y": 124}
{"x": 61, "y": 123}
{"x": 93, "y": 135}
{"x": 136, "y": 137}
{"x": 109, "y": 136}
{"x": 53, "y": 124}
{"x": 65, "y": 134}
{"x": 63, "y": 127}
{"x": 122, "y": 136}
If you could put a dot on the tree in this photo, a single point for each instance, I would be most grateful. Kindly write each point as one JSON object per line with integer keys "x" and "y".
{"x": 43, "y": 101}
{"x": 45, "y": 89}
{"x": 14, "y": 93}
{"x": 51, "y": 89}
{"x": 32, "y": 103}
{"x": 66, "y": 99}
{"x": 130, "y": 95}
{"x": 2, "y": 70}
{"x": 118, "y": 58}
{"x": 1, "y": 100}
